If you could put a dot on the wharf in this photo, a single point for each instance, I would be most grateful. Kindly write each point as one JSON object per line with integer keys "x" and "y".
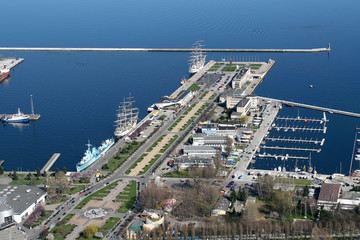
{"x": 293, "y": 148}
{"x": 51, "y": 162}
{"x": 317, "y": 108}
{"x": 1, "y": 162}
{"x": 10, "y": 62}
{"x": 311, "y": 50}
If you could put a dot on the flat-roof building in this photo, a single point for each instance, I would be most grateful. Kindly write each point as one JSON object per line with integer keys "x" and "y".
{"x": 22, "y": 201}
{"x": 184, "y": 162}
{"x": 199, "y": 151}
{"x": 201, "y": 139}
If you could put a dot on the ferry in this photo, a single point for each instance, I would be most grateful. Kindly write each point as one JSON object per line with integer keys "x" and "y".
{"x": 93, "y": 154}
{"x": 16, "y": 118}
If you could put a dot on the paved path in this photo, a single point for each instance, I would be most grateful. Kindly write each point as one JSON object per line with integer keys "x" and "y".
{"x": 147, "y": 159}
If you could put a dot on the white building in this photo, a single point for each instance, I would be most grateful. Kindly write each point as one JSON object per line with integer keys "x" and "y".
{"x": 201, "y": 139}
{"x": 200, "y": 151}
{"x": 22, "y": 200}
{"x": 185, "y": 162}
{"x": 241, "y": 78}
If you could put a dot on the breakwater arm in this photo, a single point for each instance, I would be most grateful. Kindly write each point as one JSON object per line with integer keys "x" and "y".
{"x": 312, "y": 50}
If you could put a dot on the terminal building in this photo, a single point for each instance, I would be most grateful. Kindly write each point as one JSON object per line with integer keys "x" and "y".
{"x": 181, "y": 99}
{"x": 18, "y": 202}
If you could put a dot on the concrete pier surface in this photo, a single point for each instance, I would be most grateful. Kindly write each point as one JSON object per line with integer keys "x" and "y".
{"x": 311, "y": 50}
{"x": 51, "y": 162}
{"x": 10, "y": 62}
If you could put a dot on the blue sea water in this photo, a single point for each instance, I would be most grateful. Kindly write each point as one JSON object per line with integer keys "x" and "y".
{"x": 77, "y": 93}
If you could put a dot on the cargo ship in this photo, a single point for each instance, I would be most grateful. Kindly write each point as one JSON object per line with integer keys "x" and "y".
{"x": 197, "y": 59}
{"x": 93, "y": 154}
{"x": 127, "y": 117}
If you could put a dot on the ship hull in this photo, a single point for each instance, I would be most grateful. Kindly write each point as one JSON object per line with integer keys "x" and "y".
{"x": 24, "y": 120}
{"x": 82, "y": 167}
{"x": 3, "y": 76}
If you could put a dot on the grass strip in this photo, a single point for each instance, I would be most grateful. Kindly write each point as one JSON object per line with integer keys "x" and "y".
{"x": 131, "y": 198}
{"x": 100, "y": 194}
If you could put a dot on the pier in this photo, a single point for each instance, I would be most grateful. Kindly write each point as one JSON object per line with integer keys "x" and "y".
{"x": 313, "y": 120}
{"x": 293, "y": 148}
{"x": 286, "y": 128}
{"x": 278, "y": 139}
{"x": 312, "y": 107}
{"x": 311, "y": 50}
{"x": 282, "y": 156}
{"x": 51, "y": 162}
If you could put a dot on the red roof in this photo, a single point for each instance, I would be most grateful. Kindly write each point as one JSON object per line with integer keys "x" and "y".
{"x": 329, "y": 192}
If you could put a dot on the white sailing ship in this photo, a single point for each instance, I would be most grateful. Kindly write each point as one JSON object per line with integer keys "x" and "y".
{"x": 197, "y": 58}
{"x": 127, "y": 117}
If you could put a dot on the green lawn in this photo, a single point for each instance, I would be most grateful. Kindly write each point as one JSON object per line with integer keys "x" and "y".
{"x": 114, "y": 163}
{"x": 130, "y": 148}
{"x": 98, "y": 195}
{"x": 194, "y": 87}
{"x": 59, "y": 200}
{"x": 42, "y": 218}
{"x": 292, "y": 181}
{"x": 213, "y": 96}
{"x": 162, "y": 117}
{"x": 75, "y": 189}
{"x": 61, "y": 231}
{"x": 177, "y": 174}
{"x": 21, "y": 180}
{"x": 129, "y": 201}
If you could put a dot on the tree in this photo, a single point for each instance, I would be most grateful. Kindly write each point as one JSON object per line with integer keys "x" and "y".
{"x": 1, "y": 170}
{"x": 233, "y": 197}
{"x": 306, "y": 191}
{"x": 28, "y": 176}
{"x": 243, "y": 119}
{"x": 15, "y": 176}
{"x": 90, "y": 231}
{"x": 64, "y": 170}
{"x": 228, "y": 147}
{"x": 44, "y": 174}
{"x": 38, "y": 173}
{"x": 56, "y": 171}
{"x": 217, "y": 161}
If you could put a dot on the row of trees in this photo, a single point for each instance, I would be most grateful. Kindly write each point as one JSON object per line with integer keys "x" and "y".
{"x": 34, "y": 216}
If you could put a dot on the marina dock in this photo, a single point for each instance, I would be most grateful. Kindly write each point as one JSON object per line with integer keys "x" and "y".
{"x": 293, "y": 148}
{"x": 311, "y": 50}
{"x": 51, "y": 162}
{"x": 282, "y": 156}
{"x": 313, "y": 120}
{"x": 278, "y": 139}
{"x": 303, "y": 129}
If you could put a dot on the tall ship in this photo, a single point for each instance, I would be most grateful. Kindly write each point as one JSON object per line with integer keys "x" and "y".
{"x": 93, "y": 154}
{"x": 4, "y": 72}
{"x": 15, "y": 118}
{"x": 197, "y": 58}
{"x": 127, "y": 117}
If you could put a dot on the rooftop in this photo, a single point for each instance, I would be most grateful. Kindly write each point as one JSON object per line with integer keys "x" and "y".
{"x": 235, "y": 93}
{"x": 329, "y": 192}
{"x": 199, "y": 148}
{"x": 20, "y": 197}
{"x": 223, "y": 204}
{"x": 243, "y": 102}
